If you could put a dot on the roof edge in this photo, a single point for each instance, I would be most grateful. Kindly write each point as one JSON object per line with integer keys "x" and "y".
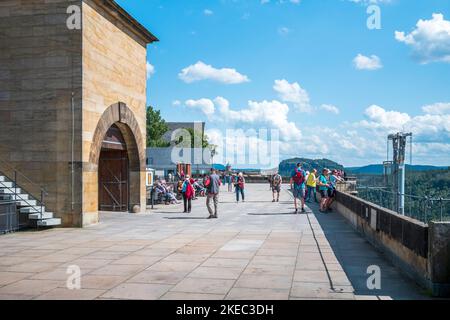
{"x": 137, "y": 27}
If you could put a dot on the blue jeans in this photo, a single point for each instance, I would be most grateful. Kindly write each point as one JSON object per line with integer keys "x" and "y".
{"x": 241, "y": 191}
{"x": 310, "y": 191}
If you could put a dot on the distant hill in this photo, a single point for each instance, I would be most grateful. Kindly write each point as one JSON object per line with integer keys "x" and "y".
{"x": 285, "y": 168}
{"x": 377, "y": 169}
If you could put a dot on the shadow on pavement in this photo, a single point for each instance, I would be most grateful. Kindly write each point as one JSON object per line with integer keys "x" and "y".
{"x": 356, "y": 255}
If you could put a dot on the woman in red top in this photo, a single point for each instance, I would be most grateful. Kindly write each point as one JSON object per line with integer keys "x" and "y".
{"x": 188, "y": 195}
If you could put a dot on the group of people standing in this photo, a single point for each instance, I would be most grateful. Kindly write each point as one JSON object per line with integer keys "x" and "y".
{"x": 212, "y": 184}
{"x": 304, "y": 186}
{"x": 238, "y": 182}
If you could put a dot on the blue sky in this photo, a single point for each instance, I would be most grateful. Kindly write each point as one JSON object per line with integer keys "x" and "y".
{"x": 333, "y": 87}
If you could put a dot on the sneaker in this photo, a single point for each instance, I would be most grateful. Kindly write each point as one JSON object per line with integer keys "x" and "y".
{"x": 215, "y": 217}
{"x": 296, "y": 211}
{"x": 303, "y": 210}
{"x": 273, "y": 200}
{"x": 210, "y": 217}
{"x": 278, "y": 200}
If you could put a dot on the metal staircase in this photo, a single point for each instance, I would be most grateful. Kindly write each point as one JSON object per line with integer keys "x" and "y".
{"x": 30, "y": 209}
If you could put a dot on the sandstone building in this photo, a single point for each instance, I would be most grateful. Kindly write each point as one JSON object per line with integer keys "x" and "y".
{"x": 73, "y": 105}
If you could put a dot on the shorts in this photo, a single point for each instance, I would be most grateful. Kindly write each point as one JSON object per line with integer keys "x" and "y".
{"x": 299, "y": 193}
{"x": 324, "y": 193}
{"x": 276, "y": 189}
{"x": 331, "y": 193}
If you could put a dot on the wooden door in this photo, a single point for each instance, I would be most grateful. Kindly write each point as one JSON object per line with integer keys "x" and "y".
{"x": 113, "y": 179}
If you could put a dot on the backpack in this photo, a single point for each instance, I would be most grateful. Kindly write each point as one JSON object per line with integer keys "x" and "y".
{"x": 299, "y": 177}
{"x": 207, "y": 182}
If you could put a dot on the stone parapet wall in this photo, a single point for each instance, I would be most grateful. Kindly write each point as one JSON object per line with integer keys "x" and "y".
{"x": 418, "y": 249}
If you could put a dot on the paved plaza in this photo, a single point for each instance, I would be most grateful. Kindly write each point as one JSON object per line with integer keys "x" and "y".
{"x": 255, "y": 250}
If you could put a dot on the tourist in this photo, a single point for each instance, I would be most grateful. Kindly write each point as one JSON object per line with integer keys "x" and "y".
{"x": 230, "y": 183}
{"x": 240, "y": 186}
{"x": 311, "y": 184}
{"x": 276, "y": 182}
{"x": 188, "y": 194}
{"x": 333, "y": 180}
{"x": 323, "y": 189}
{"x": 212, "y": 184}
{"x": 298, "y": 186}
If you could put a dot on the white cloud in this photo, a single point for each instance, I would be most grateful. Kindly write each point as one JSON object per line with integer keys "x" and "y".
{"x": 205, "y": 105}
{"x": 293, "y": 93}
{"x": 330, "y": 108}
{"x": 430, "y": 40}
{"x": 281, "y": 1}
{"x": 437, "y": 108}
{"x": 368, "y": 2}
{"x": 284, "y": 31}
{"x": 371, "y": 63}
{"x": 427, "y": 127}
{"x": 150, "y": 70}
{"x": 208, "y": 12}
{"x": 201, "y": 71}
{"x": 274, "y": 114}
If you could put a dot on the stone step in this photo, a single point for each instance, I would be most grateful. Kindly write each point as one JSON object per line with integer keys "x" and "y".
{"x": 26, "y": 203}
{"x": 43, "y": 216}
{"x": 29, "y": 210}
{"x": 49, "y": 222}
{"x": 2, "y": 178}
{"x": 9, "y": 191}
{"x": 14, "y": 197}
{"x": 6, "y": 184}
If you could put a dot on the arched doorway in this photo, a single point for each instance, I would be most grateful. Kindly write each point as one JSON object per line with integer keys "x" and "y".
{"x": 113, "y": 172}
{"x": 116, "y": 164}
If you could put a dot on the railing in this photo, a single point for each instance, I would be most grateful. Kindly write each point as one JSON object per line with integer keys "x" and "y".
{"x": 20, "y": 180}
{"x": 423, "y": 209}
{"x": 9, "y": 219}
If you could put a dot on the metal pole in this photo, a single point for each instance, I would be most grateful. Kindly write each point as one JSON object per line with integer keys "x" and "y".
{"x": 401, "y": 191}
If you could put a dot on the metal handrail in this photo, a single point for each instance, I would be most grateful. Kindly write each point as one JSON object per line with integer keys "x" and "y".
{"x": 16, "y": 172}
{"x": 427, "y": 207}
{"x": 383, "y": 189}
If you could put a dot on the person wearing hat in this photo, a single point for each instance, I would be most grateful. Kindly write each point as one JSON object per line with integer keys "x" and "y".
{"x": 333, "y": 180}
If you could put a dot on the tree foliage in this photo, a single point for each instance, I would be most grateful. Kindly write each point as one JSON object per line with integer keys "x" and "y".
{"x": 156, "y": 128}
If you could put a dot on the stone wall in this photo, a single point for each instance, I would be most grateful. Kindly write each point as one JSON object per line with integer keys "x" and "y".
{"x": 419, "y": 250}
{"x": 42, "y": 65}
{"x": 40, "y": 68}
{"x": 114, "y": 70}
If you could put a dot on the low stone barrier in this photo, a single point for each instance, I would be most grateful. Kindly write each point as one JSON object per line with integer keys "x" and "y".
{"x": 421, "y": 251}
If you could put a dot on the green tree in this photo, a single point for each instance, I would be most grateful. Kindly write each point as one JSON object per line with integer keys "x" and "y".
{"x": 156, "y": 128}
{"x": 196, "y": 137}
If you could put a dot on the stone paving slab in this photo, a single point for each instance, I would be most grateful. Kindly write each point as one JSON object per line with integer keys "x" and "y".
{"x": 255, "y": 250}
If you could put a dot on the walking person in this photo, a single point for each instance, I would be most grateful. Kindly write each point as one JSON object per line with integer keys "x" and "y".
{"x": 323, "y": 189}
{"x": 298, "y": 186}
{"x": 240, "y": 187}
{"x": 212, "y": 185}
{"x": 276, "y": 182}
{"x": 188, "y": 194}
{"x": 230, "y": 182}
{"x": 311, "y": 185}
